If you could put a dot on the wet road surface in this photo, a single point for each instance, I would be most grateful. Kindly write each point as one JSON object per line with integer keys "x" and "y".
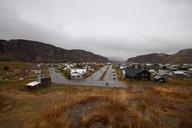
{"x": 93, "y": 80}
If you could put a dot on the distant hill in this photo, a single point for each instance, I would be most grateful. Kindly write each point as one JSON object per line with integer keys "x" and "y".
{"x": 33, "y": 51}
{"x": 183, "y": 56}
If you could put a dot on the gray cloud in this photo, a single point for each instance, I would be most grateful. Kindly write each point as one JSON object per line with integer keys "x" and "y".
{"x": 179, "y": 1}
{"x": 113, "y": 28}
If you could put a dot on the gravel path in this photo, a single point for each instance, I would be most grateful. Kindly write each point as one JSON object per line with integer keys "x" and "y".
{"x": 76, "y": 112}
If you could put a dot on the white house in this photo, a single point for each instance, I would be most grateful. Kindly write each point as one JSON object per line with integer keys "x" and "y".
{"x": 36, "y": 71}
{"x": 162, "y": 72}
{"x": 123, "y": 72}
{"x": 122, "y": 67}
{"x": 66, "y": 66}
{"x": 77, "y": 73}
{"x": 148, "y": 64}
{"x": 152, "y": 71}
{"x": 180, "y": 73}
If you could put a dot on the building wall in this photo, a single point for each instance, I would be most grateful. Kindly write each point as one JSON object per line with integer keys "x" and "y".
{"x": 76, "y": 77}
{"x": 141, "y": 76}
{"x": 144, "y": 76}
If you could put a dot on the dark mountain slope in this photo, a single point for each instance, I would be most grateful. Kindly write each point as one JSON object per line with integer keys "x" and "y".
{"x": 33, "y": 51}
{"x": 183, "y": 56}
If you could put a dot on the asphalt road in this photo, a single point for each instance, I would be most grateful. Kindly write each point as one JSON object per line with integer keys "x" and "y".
{"x": 92, "y": 81}
{"x": 97, "y": 75}
{"x": 110, "y": 75}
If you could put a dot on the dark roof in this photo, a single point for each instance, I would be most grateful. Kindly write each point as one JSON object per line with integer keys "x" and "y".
{"x": 133, "y": 71}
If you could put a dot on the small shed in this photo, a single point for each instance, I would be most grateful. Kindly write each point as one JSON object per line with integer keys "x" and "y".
{"x": 39, "y": 83}
{"x": 33, "y": 85}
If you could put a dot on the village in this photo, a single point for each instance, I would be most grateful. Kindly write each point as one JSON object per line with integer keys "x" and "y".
{"x": 102, "y": 74}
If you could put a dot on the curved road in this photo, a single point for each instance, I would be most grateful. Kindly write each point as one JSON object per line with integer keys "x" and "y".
{"x": 93, "y": 80}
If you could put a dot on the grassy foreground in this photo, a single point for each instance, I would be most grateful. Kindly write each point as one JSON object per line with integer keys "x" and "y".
{"x": 60, "y": 106}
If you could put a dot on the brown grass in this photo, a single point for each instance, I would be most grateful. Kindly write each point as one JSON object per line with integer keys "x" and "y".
{"x": 15, "y": 65}
{"x": 62, "y": 106}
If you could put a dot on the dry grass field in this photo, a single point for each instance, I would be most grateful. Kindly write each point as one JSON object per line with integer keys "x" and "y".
{"x": 61, "y": 106}
{"x": 16, "y": 70}
{"x": 15, "y": 65}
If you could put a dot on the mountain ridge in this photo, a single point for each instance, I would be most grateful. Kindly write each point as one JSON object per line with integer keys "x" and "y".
{"x": 35, "y": 51}
{"x": 182, "y": 56}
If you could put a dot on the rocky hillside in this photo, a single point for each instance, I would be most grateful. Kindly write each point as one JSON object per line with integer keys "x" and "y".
{"x": 32, "y": 51}
{"x": 183, "y": 56}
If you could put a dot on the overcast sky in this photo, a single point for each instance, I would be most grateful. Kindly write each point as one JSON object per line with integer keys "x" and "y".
{"x": 112, "y": 28}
